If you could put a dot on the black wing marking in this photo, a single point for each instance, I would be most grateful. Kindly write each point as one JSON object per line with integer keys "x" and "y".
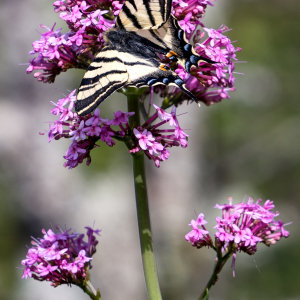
{"x": 144, "y": 14}
{"x": 105, "y": 75}
{"x": 170, "y": 40}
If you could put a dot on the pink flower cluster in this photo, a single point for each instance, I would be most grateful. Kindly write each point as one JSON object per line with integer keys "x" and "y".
{"x": 61, "y": 258}
{"x": 154, "y": 142}
{"x": 86, "y": 131}
{"x": 211, "y": 83}
{"x": 88, "y": 20}
{"x": 241, "y": 227}
{"x": 189, "y": 13}
{"x": 57, "y": 52}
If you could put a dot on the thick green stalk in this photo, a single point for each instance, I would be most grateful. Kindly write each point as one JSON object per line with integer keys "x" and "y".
{"x": 143, "y": 215}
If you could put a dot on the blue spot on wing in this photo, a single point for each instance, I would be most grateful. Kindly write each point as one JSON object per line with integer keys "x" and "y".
{"x": 188, "y": 66}
{"x": 194, "y": 59}
{"x": 152, "y": 81}
{"x": 187, "y": 47}
{"x": 179, "y": 81}
{"x": 166, "y": 81}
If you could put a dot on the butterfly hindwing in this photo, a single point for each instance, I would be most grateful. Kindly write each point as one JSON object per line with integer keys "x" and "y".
{"x": 144, "y": 72}
{"x": 143, "y": 14}
{"x": 105, "y": 75}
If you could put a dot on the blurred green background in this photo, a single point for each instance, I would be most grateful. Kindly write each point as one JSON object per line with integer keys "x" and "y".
{"x": 246, "y": 145}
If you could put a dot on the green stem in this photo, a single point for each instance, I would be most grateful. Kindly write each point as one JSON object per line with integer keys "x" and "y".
{"x": 143, "y": 215}
{"x": 220, "y": 263}
{"x": 88, "y": 288}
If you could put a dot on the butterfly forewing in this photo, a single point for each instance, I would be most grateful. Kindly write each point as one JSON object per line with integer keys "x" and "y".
{"x": 144, "y": 14}
{"x": 105, "y": 75}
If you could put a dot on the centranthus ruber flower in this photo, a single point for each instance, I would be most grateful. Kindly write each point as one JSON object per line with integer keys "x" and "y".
{"x": 154, "y": 141}
{"x": 85, "y": 132}
{"x": 241, "y": 227}
{"x": 56, "y": 52}
{"x": 60, "y": 258}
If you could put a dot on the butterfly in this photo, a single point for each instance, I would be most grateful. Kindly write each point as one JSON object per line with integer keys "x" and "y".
{"x": 144, "y": 30}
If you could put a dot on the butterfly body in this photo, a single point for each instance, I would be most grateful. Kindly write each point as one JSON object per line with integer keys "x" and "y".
{"x": 132, "y": 42}
{"x": 144, "y": 29}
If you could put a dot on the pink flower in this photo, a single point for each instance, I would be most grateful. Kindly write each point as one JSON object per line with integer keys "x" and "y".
{"x": 240, "y": 235}
{"x": 106, "y": 136}
{"x": 117, "y": 5}
{"x": 44, "y": 271}
{"x": 27, "y": 273}
{"x": 201, "y": 220}
{"x": 186, "y": 25}
{"x": 78, "y": 133}
{"x": 251, "y": 239}
{"x": 163, "y": 115}
{"x": 74, "y": 150}
{"x": 155, "y": 148}
{"x": 145, "y": 138}
{"x": 154, "y": 141}
{"x": 173, "y": 120}
{"x": 82, "y": 258}
{"x": 224, "y": 236}
{"x": 94, "y": 129}
{"x": 121, "y": 118}
{"x": 279, "y": 226}
{"x": 196, "y": 234}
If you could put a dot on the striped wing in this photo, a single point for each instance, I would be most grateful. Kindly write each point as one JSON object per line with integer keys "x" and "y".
{"x": 105, "y": 75}
{"x": 144, "y": 14}
{"x": 144, "y": 71}
{"x": 170, "y": 40}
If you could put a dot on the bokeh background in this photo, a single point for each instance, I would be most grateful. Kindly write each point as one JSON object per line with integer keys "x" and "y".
{"x": 246, "y": 145}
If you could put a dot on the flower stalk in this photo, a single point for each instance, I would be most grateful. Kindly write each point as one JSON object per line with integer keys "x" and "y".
{"x": 143, "y": 215}
{"x": 88, "y": 288}
{"x": 219, "y": 264}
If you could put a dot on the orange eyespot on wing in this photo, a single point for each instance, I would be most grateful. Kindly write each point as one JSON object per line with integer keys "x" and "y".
{"x": 171, "y": 53}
